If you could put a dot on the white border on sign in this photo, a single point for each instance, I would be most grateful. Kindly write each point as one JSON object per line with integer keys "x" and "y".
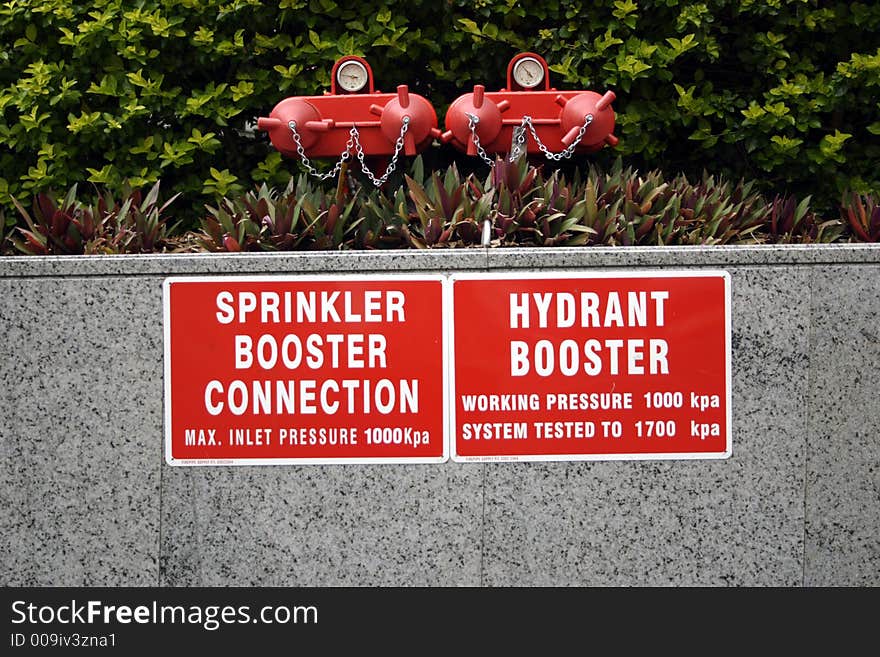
{"x": 330, "y": 278}
{"x": 556, "y": 275}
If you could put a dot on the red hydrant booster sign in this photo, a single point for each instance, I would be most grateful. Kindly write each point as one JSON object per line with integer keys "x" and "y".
{"x": 631, "y": 365}
{"x": 295, "y": 369}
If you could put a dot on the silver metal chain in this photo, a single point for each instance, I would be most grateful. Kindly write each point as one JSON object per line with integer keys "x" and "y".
{"x": 354, "y": 142}
{"x": 519, "y": 140}
{"x": 398, "y": 146}
{"x": 473, "y": 120}
{"x": 527, "y": 122}
{"x": 343, "y": 157}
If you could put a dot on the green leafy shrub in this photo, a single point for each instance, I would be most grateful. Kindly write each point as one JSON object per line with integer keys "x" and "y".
{"x": 781, "y": 91}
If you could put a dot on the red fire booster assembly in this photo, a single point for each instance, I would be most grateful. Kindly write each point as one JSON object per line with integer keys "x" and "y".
{"x": 354, "y": 118}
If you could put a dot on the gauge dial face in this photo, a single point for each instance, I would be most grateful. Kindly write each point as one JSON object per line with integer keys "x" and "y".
{"x": 528, "y": 72}
{"x": 352, "y": 76}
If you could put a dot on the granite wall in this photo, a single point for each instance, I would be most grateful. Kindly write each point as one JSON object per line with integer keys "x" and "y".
{"x": 87, "y": 498}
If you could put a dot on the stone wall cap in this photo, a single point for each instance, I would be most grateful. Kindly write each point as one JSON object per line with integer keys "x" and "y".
{"x": 438, "y": 260}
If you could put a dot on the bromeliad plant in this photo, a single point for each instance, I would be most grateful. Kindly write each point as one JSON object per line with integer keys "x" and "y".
{"x": 447, "y": 209}
{"x": 300, "y": 217}
{"x": 792, "y": 222}
{"x": 618, "y": 207}
{"x": 623, "y": 207}
{"x": 133, "y": 224}
{"x": 862, "y": 214}
{"x": 522, "y": 205}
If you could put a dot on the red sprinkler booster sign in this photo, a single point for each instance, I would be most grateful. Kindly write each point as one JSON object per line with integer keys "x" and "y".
{"x": 582, "y": 121}
{"x": 571, "y": 367}
{"x": 296, "y": 370}
{"x": 323, "y": 123}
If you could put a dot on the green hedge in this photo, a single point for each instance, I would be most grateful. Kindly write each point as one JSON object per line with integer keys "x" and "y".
{"x": 785, "y": 91}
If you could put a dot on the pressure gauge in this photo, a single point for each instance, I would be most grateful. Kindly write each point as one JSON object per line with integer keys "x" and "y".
{"x": 352, "y": 76}
{"x": 528, "y": 72}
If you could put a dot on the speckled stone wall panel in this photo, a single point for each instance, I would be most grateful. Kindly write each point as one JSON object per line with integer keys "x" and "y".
{"x": 385, "y": 525}
{"x": 737, "y": 521}
{"x": 87, "y": 499}
{"x": 81, "y": 432}
{"x": 843, "y": 457}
